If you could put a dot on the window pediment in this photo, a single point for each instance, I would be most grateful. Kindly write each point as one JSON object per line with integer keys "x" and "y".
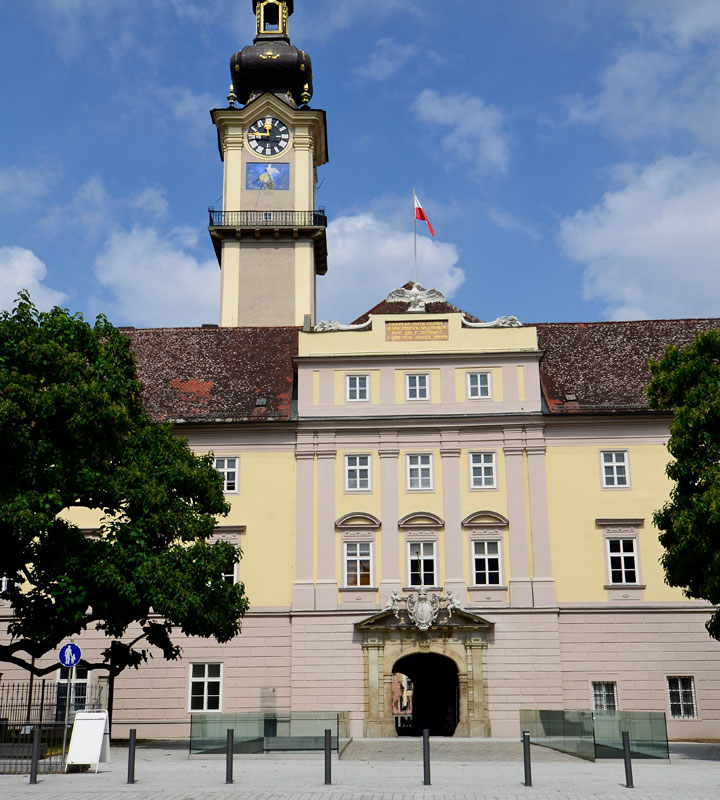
{"x": 421, "y": 519}
{"x": 485, "y": 519}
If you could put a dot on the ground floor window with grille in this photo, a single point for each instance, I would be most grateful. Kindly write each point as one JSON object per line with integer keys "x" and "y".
{"x": 605, "y": 696}
{"x": 358, "y": 569}
{"x": 77, "y": 681}
{"x": 205, "y": 687}
{"x": 681, "y": 694}
{"x": 422, "y": 564}
{"x": 486, "y": 562}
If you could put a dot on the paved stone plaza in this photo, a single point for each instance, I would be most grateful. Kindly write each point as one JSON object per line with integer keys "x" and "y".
{"x": 459, "y": 771}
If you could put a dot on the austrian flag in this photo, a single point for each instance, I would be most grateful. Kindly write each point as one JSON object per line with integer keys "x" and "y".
{"x": 420, "y": 214}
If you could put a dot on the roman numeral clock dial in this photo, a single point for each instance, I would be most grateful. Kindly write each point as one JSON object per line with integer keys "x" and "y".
{"x": 268, "y": 136}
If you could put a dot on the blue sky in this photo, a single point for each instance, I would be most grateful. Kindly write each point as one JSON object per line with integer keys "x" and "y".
{"x": 566, "y": 152}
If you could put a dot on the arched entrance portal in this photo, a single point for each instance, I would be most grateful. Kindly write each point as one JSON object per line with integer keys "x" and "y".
{"x": 435, "y": 694}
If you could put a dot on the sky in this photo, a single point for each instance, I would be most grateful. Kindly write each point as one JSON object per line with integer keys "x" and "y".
{"x": 566, "y": 152}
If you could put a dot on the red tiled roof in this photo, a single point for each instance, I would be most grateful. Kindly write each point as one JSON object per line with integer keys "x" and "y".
{"x": 604, "y": 364}
{"x": 216, "y": 374}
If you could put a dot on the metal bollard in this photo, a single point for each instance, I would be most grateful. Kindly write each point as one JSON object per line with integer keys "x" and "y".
{"x": 35, "y": 754}
{"x": 131, "y": 755}
{"x": 526, "y": 757}
{"x": 229, "y": 755}
{"x": 328, "y": 763}
{"x": 628, "y": 760}
{"x": 426, "y": 757}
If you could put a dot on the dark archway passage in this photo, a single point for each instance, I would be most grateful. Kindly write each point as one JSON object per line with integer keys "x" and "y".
{"x": 435, "y": 694}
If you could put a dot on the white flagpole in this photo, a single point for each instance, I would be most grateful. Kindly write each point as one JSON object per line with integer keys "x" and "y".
{"x": 415, "y": 238}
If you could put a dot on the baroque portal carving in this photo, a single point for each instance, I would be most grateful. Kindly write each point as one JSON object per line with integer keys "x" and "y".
{"x": 399, "y": 630}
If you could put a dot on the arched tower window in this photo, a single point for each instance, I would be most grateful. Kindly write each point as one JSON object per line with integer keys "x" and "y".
{"x": 271, "y": 17}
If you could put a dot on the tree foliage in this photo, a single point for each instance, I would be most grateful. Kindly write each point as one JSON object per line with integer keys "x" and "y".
{"x": 74, "y": 434}
{"x": 687, "y": 380}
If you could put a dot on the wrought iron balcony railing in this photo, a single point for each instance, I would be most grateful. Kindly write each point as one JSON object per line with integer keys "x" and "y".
{"x": 268, "y": 219}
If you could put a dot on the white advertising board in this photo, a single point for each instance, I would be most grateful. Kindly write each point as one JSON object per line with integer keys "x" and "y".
{"x": 89, "y": 740}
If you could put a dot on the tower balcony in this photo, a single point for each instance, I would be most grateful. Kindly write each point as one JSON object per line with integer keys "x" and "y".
{"x": 280, "y": 225}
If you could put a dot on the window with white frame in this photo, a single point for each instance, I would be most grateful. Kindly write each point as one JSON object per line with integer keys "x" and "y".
{"x": 358, "y": 564}
{"x": 419, "y": 471}
{"x": 487, "y": 568}
{"x": 681, "y": 696}
{"x": 356, "y": 387}
{"x": 478, "y": 385}
{"x": 421, "y": 566}
{"x": 205, "y": 687}
{"x": 604, "y": 695}
{"x": 622, "y": 561}
{"x": 357, "y": 473}
{"x": 417, "y": 386}
{"x": 615, "y": 470}
{"x": 227, "y": 467}
{"x": 230, "y": 574}
{"x": 482, "y": 471}
{"x": 76, "y": 680}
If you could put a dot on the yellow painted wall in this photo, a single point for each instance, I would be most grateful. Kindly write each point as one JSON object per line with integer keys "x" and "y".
{"x": 576, "y": 499}
{"x": 268, "y": 544}
{"x": 465, "y": 340}
{"x": 339, "y": 386}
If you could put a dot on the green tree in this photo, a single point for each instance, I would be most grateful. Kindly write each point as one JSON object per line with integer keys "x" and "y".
{"x": 687, "y": 381}
{"x": 74, "y": 434}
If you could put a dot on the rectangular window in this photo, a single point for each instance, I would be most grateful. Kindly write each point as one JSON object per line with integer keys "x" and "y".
{"x": 615, "y": 468}
{"x": 230, "y": 572}
{"x": 419, "y": 471}
{"x": 486, "y": 563}
{"x": 227, "y": 467}
{"x": 417, "y": 387}
{"x": 478, "y": 385}
{"x": 482, "y": 471}
{"x": 358, "y": 564}
{"x": 622, "y": 560}
{"x": 78, "y": 684}
{"x": 356, "y": 387}
{"x": 605, "y": 696}
{"x": 681, "y": 694}
{"x": 357, "y": 473}
{"x": 205, "y": 686}
{"x": 422, "y": 563}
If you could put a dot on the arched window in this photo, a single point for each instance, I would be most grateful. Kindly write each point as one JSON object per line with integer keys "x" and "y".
{"x": 271, "y": 17}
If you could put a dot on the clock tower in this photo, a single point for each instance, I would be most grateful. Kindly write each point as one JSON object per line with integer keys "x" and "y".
{"x": 270, "y": 238}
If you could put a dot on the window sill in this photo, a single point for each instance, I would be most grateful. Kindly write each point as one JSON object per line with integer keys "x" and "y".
{"x": 477, "y": 587}
{"x": 427, "y": 588}
{"x": 621, "y": 586}
{"x": 358, "y": 589}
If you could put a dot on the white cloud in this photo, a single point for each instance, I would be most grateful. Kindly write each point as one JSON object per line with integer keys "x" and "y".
{"x": 386, "y": 59}
{"x": 651, "y": 247}
{"x": 369, "y": 258}
{"x": 21, "y": 188}
{"x": 91, "y": 208}
{"x": 510, "y": 223}
{"x": 192, "y": 110}
{"x": 668, "y": 83}
{"x": 22, "y": 269}
{"x": 153, "y": 200}
{"x": 154, "y": 280}
{"x": 471, "y": 130}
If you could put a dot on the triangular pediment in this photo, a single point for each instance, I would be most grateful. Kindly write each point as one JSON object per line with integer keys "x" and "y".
{"x": 459, "y": 618}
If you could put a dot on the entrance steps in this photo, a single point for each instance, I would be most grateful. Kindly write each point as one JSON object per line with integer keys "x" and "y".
{"x": 409, "y": 748}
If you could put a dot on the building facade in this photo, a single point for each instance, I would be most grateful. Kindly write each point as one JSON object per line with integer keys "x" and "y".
{"x": 422, "y": 499}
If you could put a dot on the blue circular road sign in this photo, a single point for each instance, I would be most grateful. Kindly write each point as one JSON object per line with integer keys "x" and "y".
{"x": 69, "y": 654}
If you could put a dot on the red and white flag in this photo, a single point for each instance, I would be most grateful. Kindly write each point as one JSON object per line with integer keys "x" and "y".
{"x": 420, "y": 214}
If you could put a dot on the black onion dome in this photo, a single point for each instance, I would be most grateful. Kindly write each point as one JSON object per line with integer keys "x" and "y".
{"x": 272, "y": 66}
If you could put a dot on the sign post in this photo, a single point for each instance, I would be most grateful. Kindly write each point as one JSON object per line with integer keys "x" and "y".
{"x": 68, "y": 657}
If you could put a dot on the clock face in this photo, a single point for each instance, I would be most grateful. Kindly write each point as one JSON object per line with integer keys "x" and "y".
{"x": 268, "y": 136}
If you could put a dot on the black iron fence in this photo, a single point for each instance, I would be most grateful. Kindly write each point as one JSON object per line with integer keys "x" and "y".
{"x": 270, "y": 219}
{"x": 41, "y": 704}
